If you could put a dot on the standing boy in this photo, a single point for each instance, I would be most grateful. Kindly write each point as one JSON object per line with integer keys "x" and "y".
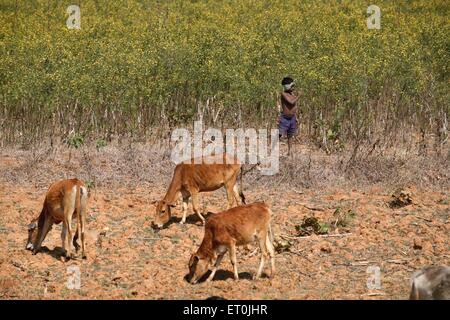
{"x": 287, "y": 121}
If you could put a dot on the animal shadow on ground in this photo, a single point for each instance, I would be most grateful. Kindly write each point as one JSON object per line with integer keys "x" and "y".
{"x": 56, "y": 253}
{"x": 224, "y": 275}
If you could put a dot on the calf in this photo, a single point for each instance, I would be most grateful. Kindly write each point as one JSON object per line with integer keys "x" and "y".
{"x": 64, "y": 200}
{"x": 228, "y": 229}
{"x": 431, "y": 283}
{"x": 192, "y": 178}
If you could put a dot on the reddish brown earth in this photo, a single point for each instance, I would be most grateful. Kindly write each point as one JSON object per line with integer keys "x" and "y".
{"x": 128, "y": 260}
{"x": 131, "y": 261}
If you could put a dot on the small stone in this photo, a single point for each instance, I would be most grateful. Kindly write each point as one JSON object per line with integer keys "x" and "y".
{"x": 326, "y": 248}
{"x": 417, "y": 244}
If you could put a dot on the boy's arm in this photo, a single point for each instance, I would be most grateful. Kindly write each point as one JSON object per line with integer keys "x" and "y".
{"x": 289, "y": 98}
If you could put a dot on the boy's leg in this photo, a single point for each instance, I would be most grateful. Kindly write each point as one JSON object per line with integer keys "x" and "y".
{"x": 291, "y": 132}
{"x": 289, "y": 145}
{"x": 282, "y": 127}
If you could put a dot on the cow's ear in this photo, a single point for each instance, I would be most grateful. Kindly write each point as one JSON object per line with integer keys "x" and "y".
{"x": 193, "y": 260}
{"x": 154, "y": 201}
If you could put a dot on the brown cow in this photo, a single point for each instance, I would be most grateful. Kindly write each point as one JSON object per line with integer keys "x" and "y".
{"x": 192, "y": 178}
{"x": 228, "y": 229}
{"x": 65, "y": 199}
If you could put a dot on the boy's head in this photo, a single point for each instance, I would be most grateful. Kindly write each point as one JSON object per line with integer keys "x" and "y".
{"x": 287, "y": 83}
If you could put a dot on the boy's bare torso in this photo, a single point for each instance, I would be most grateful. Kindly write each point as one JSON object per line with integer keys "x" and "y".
{"x": 289, "y": 103}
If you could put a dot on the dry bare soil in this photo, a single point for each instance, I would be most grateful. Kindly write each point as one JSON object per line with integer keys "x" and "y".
{"x": 127, "y": 259}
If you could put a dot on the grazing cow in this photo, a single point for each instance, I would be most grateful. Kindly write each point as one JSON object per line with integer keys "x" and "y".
{"x": 431, "y": 283}
{"x": 228, "y": 229}
{"x": 65, "y": 199}
{"x": 192, "y": 178}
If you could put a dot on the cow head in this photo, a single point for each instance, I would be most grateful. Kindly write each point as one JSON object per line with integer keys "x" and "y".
{"x": 162, "y": 214}
{"x": 32, "y": 234}
{"x": 198, "y": 267}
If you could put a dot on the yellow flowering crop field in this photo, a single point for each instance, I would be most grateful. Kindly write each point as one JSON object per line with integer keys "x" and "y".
{"x": 133, "y": 62}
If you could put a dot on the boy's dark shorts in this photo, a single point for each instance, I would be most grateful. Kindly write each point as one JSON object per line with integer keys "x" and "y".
{"x": 287, "y": 125}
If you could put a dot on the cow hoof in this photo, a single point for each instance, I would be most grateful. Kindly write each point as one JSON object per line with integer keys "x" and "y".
{"x": 67, "y": 257}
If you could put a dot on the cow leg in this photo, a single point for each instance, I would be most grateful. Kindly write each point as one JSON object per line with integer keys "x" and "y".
{"x": 230, "y": 195}
{"x": 83, "y": 235}
{"x": 262, "y": 246}
{"x": 185, "y": 196}
{"x": 195, "y": 206}
{"x": 271, "y": 250}
{"x": 232, "y": 249}
{"x": 68, "y": 225}
{"x": 237, "y": 197}
{"x": 42, "y": 233}
{"x": 216, "y": 265}
{"x": 83, "y": 205}
{"x": 67, "y": 244}
{"x": 63, "y": 238}
{"x": 69, "y": 210}
{"x": 75, "y": 241}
